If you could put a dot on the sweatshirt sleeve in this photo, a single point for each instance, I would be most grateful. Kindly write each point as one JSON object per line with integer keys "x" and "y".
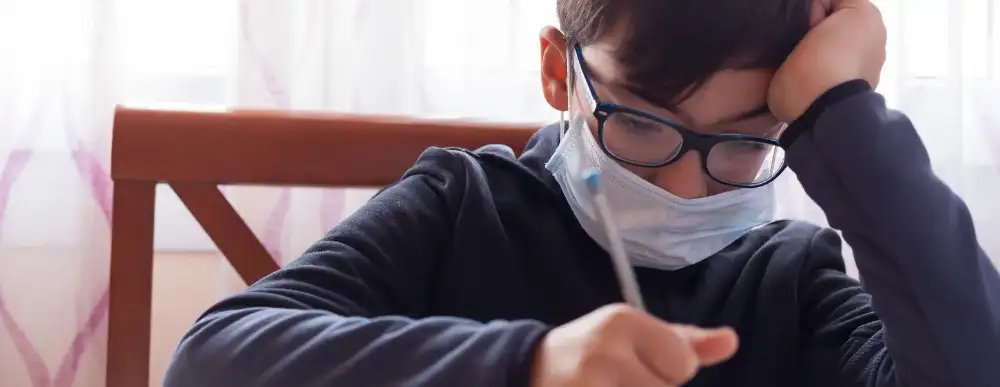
{"x": 934, "y": 292}
{"x": 346, "y": 312}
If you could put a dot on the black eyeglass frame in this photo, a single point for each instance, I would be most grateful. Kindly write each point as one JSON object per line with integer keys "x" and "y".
{"x": 690, "y": 140}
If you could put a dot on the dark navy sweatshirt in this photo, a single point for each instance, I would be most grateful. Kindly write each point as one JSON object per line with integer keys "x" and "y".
{"x": 453, "y": 275}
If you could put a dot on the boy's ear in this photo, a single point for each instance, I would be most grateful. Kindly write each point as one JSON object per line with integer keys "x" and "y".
{"x": 553, "y": 68}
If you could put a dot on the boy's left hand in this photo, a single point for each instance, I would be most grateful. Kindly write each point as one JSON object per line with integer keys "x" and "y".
{"x": 847, "y": 42}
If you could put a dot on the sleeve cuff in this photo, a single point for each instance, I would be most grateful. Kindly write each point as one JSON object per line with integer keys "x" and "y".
{"x": 524, "y": 359}
{"x": 808, "y": 119}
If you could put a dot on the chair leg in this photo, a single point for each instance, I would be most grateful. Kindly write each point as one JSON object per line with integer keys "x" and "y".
{"x": 131, "y": 284}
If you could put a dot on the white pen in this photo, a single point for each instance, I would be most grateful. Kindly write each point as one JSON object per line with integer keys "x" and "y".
{"x": 626, "y": 277}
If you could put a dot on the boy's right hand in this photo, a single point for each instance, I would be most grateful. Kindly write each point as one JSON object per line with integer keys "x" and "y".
{"x": 618, "y": 345}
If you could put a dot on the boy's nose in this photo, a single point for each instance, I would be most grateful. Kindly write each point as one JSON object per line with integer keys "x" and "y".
{"x": 684, "y": 178}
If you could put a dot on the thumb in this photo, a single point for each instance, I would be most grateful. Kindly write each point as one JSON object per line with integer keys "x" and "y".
{"x": 713, "y": 346}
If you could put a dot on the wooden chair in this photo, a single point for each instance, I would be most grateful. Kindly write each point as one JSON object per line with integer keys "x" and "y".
{"x": 195, "y": 152}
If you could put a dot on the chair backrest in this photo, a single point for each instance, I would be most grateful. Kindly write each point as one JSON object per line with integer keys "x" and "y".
{"x": 195, "y": 152}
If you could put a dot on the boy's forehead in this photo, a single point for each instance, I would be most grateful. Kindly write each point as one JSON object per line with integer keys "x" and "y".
{"x": 726, "y": 94}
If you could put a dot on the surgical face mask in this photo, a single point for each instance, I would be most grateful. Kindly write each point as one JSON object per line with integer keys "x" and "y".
{"x": 659, "y": 230}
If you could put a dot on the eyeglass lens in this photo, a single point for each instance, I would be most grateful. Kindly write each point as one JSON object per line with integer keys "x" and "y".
{"x": 645, "y": 141}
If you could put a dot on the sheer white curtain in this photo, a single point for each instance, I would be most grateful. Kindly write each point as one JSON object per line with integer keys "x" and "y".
{"x": 65, "y": 63}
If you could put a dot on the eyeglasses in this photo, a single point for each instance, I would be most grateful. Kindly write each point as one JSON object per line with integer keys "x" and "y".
{"x": 647, "y": 140}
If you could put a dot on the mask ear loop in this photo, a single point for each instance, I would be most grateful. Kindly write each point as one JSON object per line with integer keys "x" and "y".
{"x": 563, "y": 124}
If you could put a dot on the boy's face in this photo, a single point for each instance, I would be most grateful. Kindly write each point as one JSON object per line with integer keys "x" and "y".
{"x": 721, "y": 105}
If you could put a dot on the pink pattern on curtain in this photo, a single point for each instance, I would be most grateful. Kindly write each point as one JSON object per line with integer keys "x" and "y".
{"x": 332, "y": 200}
{"x": 97, "y": 179}
{"x": 273, "y": 233}
{"x": 99, "y": 182}
{"x": 17, "y": 161}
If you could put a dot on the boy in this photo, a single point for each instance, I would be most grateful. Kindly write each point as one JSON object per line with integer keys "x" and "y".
{"x": 482, "y": 269}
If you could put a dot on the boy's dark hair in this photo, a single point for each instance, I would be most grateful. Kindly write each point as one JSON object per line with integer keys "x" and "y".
{"x": 673, "y": 46}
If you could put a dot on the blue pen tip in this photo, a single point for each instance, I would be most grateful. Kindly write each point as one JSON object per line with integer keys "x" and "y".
{"x": 593, "y": 180}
